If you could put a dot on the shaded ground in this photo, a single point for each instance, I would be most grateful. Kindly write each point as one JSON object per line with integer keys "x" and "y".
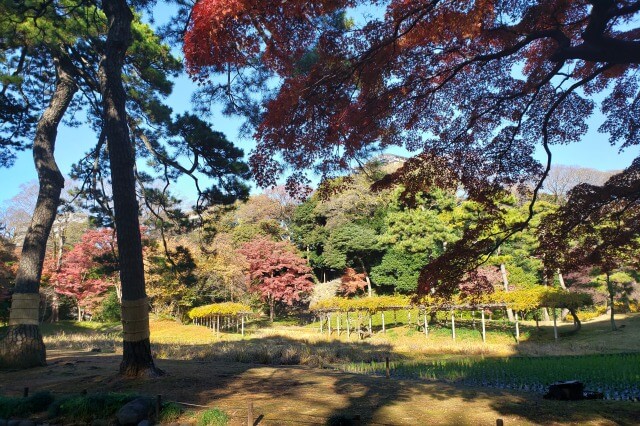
{"x": 304, "y": 395}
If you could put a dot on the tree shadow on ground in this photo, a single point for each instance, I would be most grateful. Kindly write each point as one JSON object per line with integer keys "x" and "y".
{"x": 376, "y": 400}
{"x": 279, "y": 375}
{"x": 279, "y": 350}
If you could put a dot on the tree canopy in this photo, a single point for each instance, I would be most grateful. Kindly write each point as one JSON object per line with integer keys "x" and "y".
{"x": 473, "y": 87}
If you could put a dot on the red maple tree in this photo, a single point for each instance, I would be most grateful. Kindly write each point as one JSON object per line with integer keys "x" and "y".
{"x": 277, "y": 273}
{"x": 476, "y": 86}
{"x": 352, "y": 282}
{"x": 87, "y": 270}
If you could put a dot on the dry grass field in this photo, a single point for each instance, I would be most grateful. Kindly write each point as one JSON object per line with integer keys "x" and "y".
{"x": 286, "y": 372}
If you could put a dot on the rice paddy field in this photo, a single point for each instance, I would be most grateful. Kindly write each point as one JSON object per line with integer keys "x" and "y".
{"x": 617, "y": 376}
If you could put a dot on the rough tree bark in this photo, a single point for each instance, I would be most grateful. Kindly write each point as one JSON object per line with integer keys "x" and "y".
{"x": 505, "y": 282}
{"x": 612, "y": 294}
{"x": 565, "y": 311}
{"x": 577, "y": 325}
{"x": 366, "y": 277}
{"x": 21, "y": 346}
{"x": 136, "y": 355}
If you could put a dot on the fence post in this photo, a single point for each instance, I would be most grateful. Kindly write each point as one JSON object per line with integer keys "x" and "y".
{"x": 499, "y": 422}
{"x": 242, "y": 325}
{"x": 517, "y": 328}
{"x": 426, "y": 325}
{"x": 383, "y": 327}
{"x": 250, "y": 414}
{"x": 387, "y": 369}
{"x": 453, "y": 325}
{"x": 555, "y": 325}
{"x": 484, "y": 333}
{"x": 158, "y": 407}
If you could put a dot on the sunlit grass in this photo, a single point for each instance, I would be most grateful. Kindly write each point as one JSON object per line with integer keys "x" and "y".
{"x": 305, "y": 345}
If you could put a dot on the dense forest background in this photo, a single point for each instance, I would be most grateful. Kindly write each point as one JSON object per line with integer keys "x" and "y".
{"x": 279, "y": 253}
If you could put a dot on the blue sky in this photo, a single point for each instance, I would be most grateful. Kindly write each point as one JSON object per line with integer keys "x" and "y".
{"x": 593, "y": 151}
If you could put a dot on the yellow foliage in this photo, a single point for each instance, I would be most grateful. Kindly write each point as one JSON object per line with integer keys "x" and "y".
{"x": 368, "y": 304}
{"x": 520, "y": 300}
{"x": 537, "y": 297}
{"x": 226, "y": 308}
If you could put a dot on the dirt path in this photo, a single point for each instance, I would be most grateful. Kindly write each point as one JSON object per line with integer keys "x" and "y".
{"x": 299, "y": 395}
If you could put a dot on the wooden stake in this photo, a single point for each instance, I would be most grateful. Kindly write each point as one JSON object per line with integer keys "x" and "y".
{"x": 158, "y": 406}
{"x": 453, "y": 325}
{"x": 383, "y": 327}
{"x": 250, "y": 414}
{"x": 338, "y": 324}
{"x": 218, "y": 325}
{"x": 555, "y": 325}
{"x": 387, "y": 369}
{"x": 242, "y": 325}
{"x": 321, "y": 324}
{"x": 426, "y": 325}
{"x": 484, "y": 332}
{"x": 517, "y": 327}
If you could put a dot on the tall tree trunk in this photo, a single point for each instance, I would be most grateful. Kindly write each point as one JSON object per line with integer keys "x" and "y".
{"x": 136, "y": 353}
{"x": 545, "y": 310}
{"x": 505, "y": 282}
{"x": 577, "y": 325}
{"x": 21, "y": 346}
{"x": 564, "y": 311}
{"x": 366, "y": 277}
{"x": 55, "y": 307}
{"x": 611, "y": 301}
{"x": 272, "y": 309}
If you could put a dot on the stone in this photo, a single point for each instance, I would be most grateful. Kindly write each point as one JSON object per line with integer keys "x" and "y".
{"x": 135, "y": 411}
{"x": 566, "y": 391}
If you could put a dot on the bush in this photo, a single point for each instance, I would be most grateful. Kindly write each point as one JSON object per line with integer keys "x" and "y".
{"x": 85, "y": 408}
{"x": 36, "y": 403}
{"x": 170, "y": 412}
{"x": 109, "y": 310}
{"x": 213, "y": 417}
